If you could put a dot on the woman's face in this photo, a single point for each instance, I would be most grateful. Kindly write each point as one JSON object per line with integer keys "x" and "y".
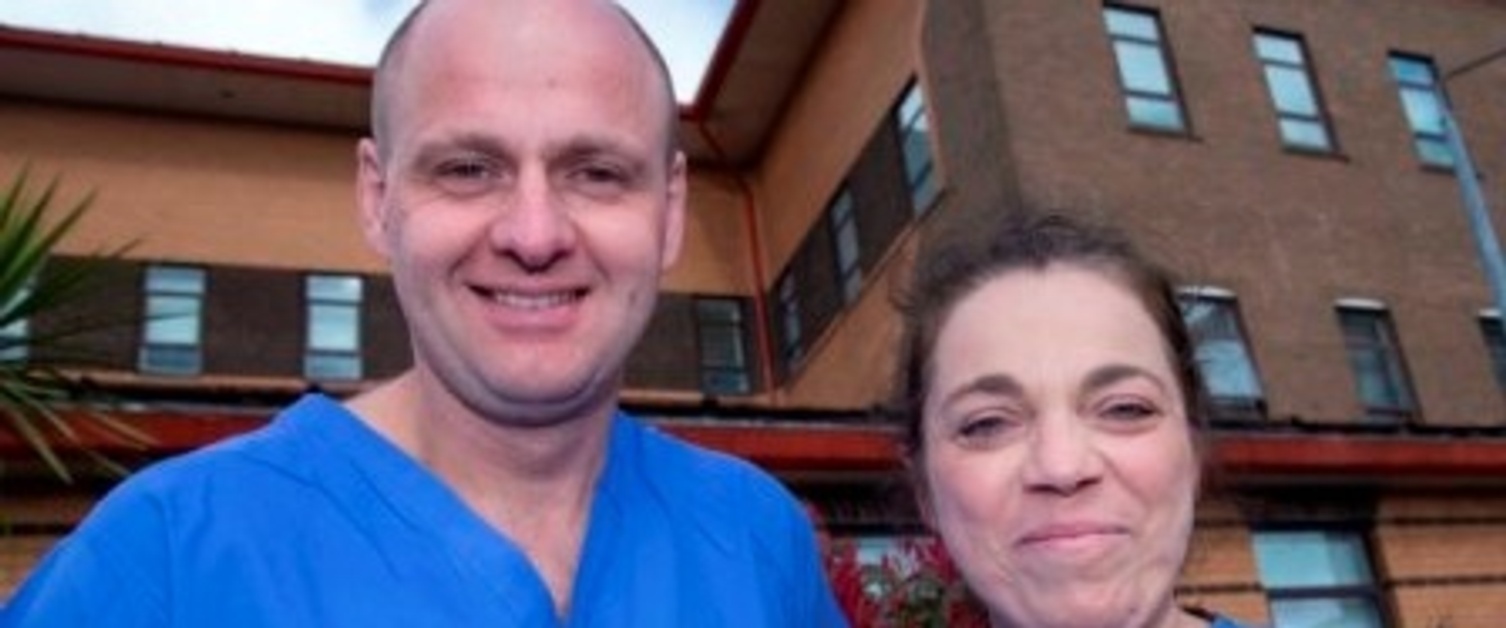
{"x": 1057, "y": 461}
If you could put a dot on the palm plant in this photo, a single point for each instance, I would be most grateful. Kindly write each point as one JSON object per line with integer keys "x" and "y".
{"x": 33, "y": 388}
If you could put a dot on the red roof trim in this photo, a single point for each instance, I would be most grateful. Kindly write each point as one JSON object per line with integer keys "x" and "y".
{"x": 182, "y": 56}
{"x": 1264, "y": 455}
{"x": 727, "y": 48}
{"x": 786, "y": 447}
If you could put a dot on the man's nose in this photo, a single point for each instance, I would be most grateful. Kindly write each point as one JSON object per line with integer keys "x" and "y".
{"x": 535, "y": 226}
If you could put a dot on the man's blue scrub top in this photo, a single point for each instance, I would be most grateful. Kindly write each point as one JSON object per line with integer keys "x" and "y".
{"x": 316, "y": 520}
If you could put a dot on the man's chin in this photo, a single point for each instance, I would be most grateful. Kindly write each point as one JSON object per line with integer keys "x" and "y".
{"x": 542, "y": 406}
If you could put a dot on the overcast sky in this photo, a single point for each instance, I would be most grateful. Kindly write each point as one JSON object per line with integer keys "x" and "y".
{"x": 348, "y": 32}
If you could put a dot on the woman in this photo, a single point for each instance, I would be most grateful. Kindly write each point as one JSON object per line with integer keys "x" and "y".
{"x": 1052, "y": 417}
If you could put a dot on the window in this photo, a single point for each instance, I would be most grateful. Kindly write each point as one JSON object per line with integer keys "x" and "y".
{"x": 1495, "y": 343}
{"x": 844, "y": 232}
{"x": 1150, "y": 91}
{"x": 915, "y": 143}
{"x": 722, "y": 341}
{"x": 1318, "y": 577}
{"x": 1376, "y": 360}
{"x": 789, "y": 320}
{"x": 15, "y": 336}
{"x": 1423, "y": 103}
{"x": 1299, "y": 112}
{"x": 333, "y": 351}
{"x": 1223, "y": 357}
{"x": 171, "y": 333}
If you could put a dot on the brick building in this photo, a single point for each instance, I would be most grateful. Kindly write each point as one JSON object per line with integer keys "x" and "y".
{"x": 1285, "y": 156}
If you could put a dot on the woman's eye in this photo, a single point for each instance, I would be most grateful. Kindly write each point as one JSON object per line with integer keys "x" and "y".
{"x": 983, "y": 429}
{"x": 1129, "y": 411}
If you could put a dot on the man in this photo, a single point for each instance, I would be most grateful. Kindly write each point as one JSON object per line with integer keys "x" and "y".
{"x": 523, "y": 184}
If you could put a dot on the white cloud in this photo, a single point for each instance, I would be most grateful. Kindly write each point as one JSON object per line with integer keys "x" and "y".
{"x": 349, "y": 32}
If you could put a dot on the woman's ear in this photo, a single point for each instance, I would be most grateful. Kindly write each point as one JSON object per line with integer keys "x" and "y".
{"x": 919, "y": 489}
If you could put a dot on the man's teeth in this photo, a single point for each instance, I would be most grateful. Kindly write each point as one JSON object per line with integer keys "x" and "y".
{"x": 534, "y": 301}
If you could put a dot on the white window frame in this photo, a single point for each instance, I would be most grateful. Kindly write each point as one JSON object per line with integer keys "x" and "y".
{"x": 160, "y": 356}
{"x": 323, "y": 297}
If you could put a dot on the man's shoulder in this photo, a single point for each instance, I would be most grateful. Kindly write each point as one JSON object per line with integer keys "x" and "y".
{"x": 235, "y": 468}
{"x": 680, "y": 466}
{"x": 727, "y": 499}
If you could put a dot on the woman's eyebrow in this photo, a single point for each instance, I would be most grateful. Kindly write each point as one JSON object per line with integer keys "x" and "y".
{"x": 998, "y": 384}
{"x": 1110, "y": 374}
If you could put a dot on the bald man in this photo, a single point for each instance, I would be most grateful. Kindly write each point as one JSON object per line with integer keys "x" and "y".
{"x": 523, "y": 183}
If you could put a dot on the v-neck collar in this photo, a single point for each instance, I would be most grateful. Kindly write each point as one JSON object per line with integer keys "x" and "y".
{"x": 415, "y": 494}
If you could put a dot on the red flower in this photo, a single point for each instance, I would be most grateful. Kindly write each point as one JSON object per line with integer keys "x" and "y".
{"x": 914, "y": 586}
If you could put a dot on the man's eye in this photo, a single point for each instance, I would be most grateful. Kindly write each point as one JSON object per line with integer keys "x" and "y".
{"x": 601, "y": 179}
{"x": 465, "y": 177}
{"x": 464, "y": 169}
{"x": 600, "y": 174}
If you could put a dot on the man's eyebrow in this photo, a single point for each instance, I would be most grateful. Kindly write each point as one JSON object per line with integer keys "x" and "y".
{"x": 587, "y": 145}
{"x": 431, "y": 149}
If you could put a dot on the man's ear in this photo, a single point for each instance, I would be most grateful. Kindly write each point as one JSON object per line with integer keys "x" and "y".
{"x": 371, "y": 195}
{"x": 674, "y": 218}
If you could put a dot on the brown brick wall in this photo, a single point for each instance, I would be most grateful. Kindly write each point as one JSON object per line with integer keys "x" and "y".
{"x": 1456, "y": 606}
{"x": 717, "y": 256}
{"x": 1226, "y": 205}
{"x": 868, "y": 55}
{"x": 197, "y": 189}
{"x": 254, "y": 322}
{"x": 31, "y": 521}
{"x": 1445, "y": 556}
{"x": 18, "y": 554}
{"x": 850, "y": 365}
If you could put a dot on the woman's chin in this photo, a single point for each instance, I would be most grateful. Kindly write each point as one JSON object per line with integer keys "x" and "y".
{"x": 1076, "y": 610}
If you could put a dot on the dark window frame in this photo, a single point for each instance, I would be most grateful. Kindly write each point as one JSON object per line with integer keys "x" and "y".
{"x": 15, "y": 337}
{"x": 919, "y": 164}
{"x": 787, "y": 298}
{"x": 1494, "y": 334}
{"x": 711, "y": 371}
{"x": 1388, "y": 344}
{"x": 1433, "y": 88}
{"x": 1373, "y": 591}
{"x": 1226, "y": 407}
{"x": 841, "y": 215}
{"x": 1320, "y": 117}
{"x": 1161, "y": 45}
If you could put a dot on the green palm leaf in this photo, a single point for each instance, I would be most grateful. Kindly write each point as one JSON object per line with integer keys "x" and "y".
{"x": 32, "y": 392}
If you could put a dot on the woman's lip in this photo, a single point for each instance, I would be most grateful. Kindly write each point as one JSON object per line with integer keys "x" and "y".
{"x": 1069, "y": 531}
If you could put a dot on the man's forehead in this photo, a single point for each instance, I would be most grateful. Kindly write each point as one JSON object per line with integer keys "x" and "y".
{"x": 449, "y": 37}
